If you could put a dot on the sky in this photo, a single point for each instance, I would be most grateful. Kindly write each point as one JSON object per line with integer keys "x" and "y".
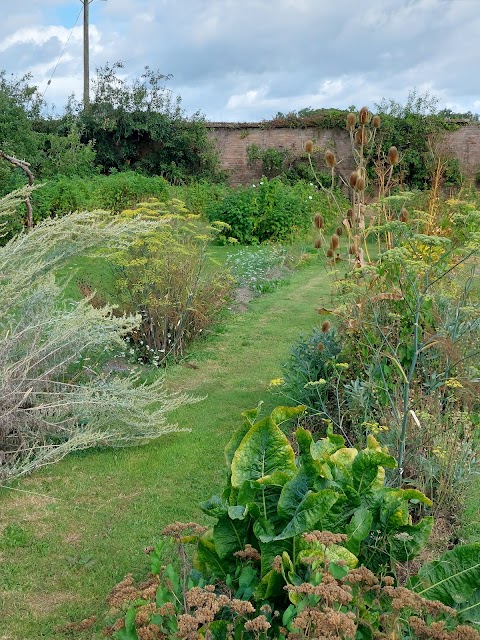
{"x": 247, "y": 60}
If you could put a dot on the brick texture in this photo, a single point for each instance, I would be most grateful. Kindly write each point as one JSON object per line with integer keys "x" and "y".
{"x": 232, "y": 140}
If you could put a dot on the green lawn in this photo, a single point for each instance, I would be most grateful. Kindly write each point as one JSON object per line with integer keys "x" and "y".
{"x": 73, "y": 530}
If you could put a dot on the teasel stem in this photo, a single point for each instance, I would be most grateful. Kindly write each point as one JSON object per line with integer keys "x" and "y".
{"x": 328, "y": 191}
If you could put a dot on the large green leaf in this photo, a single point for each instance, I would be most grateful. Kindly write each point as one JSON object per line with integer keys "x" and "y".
{"x": 309, "y": 513}
{"x": 269, "y": 550}
{"x": 358, "y": 529}
{"x": 263, "y": 450}
{"x": 454, "y": 579}
{"x": 229, "y": 535}
{"x": 292, "y": 495}
{"x": 407, "y": 541}
{"x": 208, "y": 561}
{"x": 271, "y": 586}
{"x": 249, "y": 416}
{"x": 333, "y": 553}
{"x": 282, "y": 414}
{"x": 365, "y": 468}
{"x": 214, "y": 507}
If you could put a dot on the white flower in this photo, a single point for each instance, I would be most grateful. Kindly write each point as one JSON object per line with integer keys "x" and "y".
{"x": 254, "y": 185}
{"x": 310, "y": 197}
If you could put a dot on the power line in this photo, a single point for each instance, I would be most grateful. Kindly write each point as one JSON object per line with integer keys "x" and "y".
{"x": 63, "y": 51}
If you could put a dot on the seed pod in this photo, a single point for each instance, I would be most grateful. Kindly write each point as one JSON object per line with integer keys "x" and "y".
{"x": 351, "y": 121}
{"x": 353, "y": 179}
{"x": 318, "y": 221}
{"x": 403, "y": 215}
{"x": 318, "y": 243}
{"x": 334, "y": 242}
{"x": 330, "y": 253}
{"x": 350, "y": 214}
{"x": 362, "y": 172}
{"x": 392, "y": 155}
{"x": 376, "y": 122}
{"x": 326, "y": 326}
{"x": 360, "y": 184}
{"x": 361, "y": 136}
{"x": 364, "y": 115}
{"x": 320, "y": 346}
{"x": 352, "y": 249}
{"x": 339, "y": 231}
{"x": 309, "y": 146}
{"x": 330, "y": 159}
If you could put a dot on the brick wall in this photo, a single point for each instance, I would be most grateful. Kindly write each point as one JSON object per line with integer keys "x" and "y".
{"x": 232, "y": 141}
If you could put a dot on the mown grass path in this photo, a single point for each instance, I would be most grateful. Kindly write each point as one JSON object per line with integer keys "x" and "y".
{"x": 86, "y": 520}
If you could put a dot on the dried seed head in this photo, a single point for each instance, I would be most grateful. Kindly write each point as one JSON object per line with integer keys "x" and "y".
{"x": 318, "y": 243}
{"x": 364, "y": 115}
{"x": 376, "y": 122}
{"x": 351, "y": 121}
{"x": 360, "y": 184}
{"x": 339, "y": 231}
{"x": 352, "y": 249}
{"x": 330, "y": 253}
{"x": 404, "y": 215}
{"x": 309, "y": 146}
{"x": 353, "y": 179}
{"x": 361, "y": 136}
{"x": 350, "y": 212}
{"x": 321, "y": 346}
{"x": 362, "y": 172}
{"x": 330, "y": 159}
{"x": 318, "y": 221}
{"x": 392, "y": 155}
{"x": 326, "y": 326}
{"x": 334, "y": 242}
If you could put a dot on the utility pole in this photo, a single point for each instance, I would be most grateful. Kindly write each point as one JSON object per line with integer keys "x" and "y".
{"x": 86, "y": 54}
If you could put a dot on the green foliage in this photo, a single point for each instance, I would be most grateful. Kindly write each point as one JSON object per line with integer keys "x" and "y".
{"x": 272, "y": 159}
{"x": 142, "y": 126}
{"x": 57, "y": 397}
{"x": 162, "y": 276}
{"x": 116, "y": 192}
{"x": 453, "y": 579}
{"x": 269, "y": 210}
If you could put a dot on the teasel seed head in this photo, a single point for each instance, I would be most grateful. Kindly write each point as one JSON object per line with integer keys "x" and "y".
{"x": 330, "y": 159}
{"x": 353, "y": 179}
{"x": 364, "y": 115}
{"x": 318, "y": 243}
{"x": 318, "y": 220}
{"x": 321, "y": 346}
{"x": 350, "y": 214}
{"x": 360, "y": 184}
{"x": 362, "y": 172}
{"x": 352, "y": 249}
{"x": 326, "y": 326}
{"x": 404, "y": 215}
{"x": 339, "y": 231}
{"x": 330, "y": 253}
{"x": 334, "y": 242}
{"x": 392, "y": 155}
{"x": 351, "y": 121}
{"x": 376, "y": 122}
{"x": 309, "y": 146}
{"x": 361, "y": 136}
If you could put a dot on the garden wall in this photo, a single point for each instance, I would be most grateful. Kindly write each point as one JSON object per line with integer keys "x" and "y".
{"x": 232, "y": 140}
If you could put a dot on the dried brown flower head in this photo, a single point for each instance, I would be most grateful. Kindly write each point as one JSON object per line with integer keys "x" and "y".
{"x": 376, "y": 122}
{"x": 353, "y": 179}
{"x": 361, "y": 136}
{"x": 321, "y": 346}
{"x": 318, "y": 243}
{"x": 360, "y": 183}
{"x": 249, "y": 553}
{"x": 364, "y": 115}
{"x": 309, "y": 146}
{"x": 351, "y": 121}
{"x": 330, "y": 160}
{"x": 318, "y": 220}
{"x": 334, "y": 242}
{"x": 326, "y": 327}
{"x": 403, "y": 215}
{"x": 339, "y": 231}
{"x": 330, "y": 253}
{"x": 392, "y": 155}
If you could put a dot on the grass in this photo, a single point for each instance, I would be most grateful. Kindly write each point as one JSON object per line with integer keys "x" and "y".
{"x": 70, "y": 532}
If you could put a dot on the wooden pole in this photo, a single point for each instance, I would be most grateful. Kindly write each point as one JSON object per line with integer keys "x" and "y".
{"x": 86, "y": 54}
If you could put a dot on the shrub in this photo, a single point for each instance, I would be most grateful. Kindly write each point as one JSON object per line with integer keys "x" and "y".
{"x": 270, "y": 211}
{"x": 56, "y": 396}
{"x": 289, "y": 552}
{"x": 162, "y": 276}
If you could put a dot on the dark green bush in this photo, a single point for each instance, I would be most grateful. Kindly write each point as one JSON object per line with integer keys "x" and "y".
{"x": 271, "y": 210}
